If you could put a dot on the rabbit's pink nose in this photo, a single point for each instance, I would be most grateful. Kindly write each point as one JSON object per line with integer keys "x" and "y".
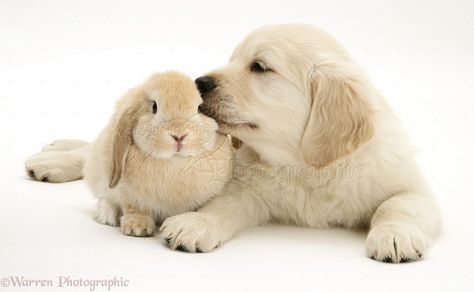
{"x": 179, "y": 141}
{"x": 179, "y": 138}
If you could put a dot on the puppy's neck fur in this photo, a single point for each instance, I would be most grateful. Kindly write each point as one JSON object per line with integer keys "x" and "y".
{"x": 275, "y": 154}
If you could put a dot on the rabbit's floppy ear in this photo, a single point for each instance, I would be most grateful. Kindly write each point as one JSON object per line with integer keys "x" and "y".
{"x": 340, "y": 119}
{"x": 121, "y": 142}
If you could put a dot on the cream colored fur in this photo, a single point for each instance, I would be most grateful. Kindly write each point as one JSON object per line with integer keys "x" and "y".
{"x": 134, "y": 169}
{"x": 321, "y": 148}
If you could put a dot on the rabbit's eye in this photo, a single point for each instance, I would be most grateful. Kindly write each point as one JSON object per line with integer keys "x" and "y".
{"x": 155, "y": 107}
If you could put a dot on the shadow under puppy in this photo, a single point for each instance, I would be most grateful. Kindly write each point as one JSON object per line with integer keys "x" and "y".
{"x": 157, "y": 157}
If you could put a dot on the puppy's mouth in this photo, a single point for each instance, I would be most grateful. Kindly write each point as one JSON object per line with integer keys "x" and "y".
{"x": 225, "y": 121}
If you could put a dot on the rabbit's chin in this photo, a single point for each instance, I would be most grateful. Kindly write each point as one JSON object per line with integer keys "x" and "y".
{"x": 171, "y": 154}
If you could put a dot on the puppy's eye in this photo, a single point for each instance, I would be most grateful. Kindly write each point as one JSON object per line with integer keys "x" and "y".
{"x": 259, "y": 67}
{"x": 154, "y": 107}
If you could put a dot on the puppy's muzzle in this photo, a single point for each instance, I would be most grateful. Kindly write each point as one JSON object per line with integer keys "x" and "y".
{"x": 205, "y": 84}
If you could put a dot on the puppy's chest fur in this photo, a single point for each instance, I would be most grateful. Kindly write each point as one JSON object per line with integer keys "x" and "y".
{"x": 340, "y": 195}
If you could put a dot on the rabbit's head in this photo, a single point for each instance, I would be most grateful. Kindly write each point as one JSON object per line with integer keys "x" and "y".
{"x": 161, "y": 117}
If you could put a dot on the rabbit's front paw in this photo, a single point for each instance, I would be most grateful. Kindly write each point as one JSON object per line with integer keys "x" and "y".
{"x": 137, "y": 225}
{"x": 54, "y": 166}
{"x": 107, "y": 213}
{"x": 192, "y": 232}
{"x": 395, "y": 243}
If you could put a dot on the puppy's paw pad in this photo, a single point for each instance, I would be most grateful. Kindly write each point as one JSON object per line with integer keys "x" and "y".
{"x": 395, "y": 243}
{"x": 137, "y": 225}
{"x": 192, "y": 232}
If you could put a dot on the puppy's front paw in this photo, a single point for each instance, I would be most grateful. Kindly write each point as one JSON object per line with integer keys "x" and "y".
{"x": 137, "y": 225}
{"x": 395, "y": 243}
{"x": 192, "y": 232}
{"x": 54, "y": 166}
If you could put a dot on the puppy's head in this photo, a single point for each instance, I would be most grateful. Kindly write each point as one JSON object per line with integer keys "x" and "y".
{"x": 293, "y": 94}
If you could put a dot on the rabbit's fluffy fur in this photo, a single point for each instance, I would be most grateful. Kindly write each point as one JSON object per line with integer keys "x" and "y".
{"x": 135, "y": 168}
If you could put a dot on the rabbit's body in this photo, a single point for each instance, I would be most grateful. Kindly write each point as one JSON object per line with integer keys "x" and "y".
{"x": 157, "y": 157}
{"x": 159, "y": 187}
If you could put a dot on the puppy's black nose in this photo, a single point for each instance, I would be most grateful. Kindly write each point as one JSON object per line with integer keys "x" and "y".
{"x": 205, "y": 84}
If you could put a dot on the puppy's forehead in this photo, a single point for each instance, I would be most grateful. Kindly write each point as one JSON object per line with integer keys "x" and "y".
{"x": 175, "y": 93}
{"x": 287, "y": 40}
{"x": 266, "y": 40}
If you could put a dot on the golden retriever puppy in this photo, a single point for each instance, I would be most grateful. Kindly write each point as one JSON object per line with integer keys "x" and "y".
{"x": 321, "y": 148}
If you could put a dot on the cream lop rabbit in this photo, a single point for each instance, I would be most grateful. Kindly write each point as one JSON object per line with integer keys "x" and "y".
{"x": 157, "y": 157}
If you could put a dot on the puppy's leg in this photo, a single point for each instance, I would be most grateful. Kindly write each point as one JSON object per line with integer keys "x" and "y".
{"x": 108, "y": 213}
{"x": 402, "y": 227}
{"x": 136, "y": 223}
{"x": 64, "y": 145}
{"x": 217, "y": 221}
{"x": 57, "y": 166}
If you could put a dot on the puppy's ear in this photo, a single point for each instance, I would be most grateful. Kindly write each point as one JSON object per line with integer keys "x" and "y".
{"x": 340, "y": 119}
{"x": 121, "y": 142}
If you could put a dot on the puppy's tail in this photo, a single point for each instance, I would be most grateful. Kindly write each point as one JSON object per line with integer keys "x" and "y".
{"x": 60, "y": 161}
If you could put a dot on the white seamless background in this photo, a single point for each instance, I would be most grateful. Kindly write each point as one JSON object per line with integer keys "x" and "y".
{"x": 63, "y": 64}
